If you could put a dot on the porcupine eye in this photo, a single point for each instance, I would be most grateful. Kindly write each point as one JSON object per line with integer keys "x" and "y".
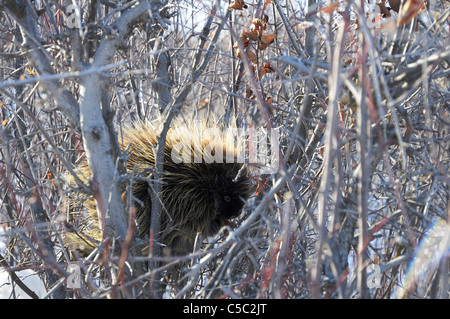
{"x": 230, "y": 206}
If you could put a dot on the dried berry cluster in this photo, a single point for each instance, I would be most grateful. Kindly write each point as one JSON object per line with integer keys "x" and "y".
{"x": 252, "y": 40}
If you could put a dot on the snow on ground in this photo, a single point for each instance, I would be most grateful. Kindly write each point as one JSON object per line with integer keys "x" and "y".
{"x": 8, "y": 290}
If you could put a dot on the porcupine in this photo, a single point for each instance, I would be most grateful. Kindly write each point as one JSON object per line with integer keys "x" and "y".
{"x": 202, "y": 189}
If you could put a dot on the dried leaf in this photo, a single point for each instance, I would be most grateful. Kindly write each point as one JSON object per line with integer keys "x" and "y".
{"x": 385, "y": 12}
{"x": 330, "y": 8}
{"x": 257, "y": 76}
{"x": 268, "y": 38}
{"x": 395, "y": 5}
{"x": 263, "y": 46}
{"x": 249, "y": 93}
{"x": 203, "y": 103}
{"x": 239, "y": 54}
{"x": 245, "y": 43}
{"x": 262, "y": 71}
{"x": 349, "y": 62}
{"x": 262, "y": 186}
{"x": 238, "y": 5}
{"x": 269, "y": 68}
{"x": 252, "y": 56}
{"x": 410, "y": 10}
{"x": 321, "y": 150}
{"x": 252, "y": 35}
{"x": 259, "y": 23}
{"x": 50, "y": 177}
